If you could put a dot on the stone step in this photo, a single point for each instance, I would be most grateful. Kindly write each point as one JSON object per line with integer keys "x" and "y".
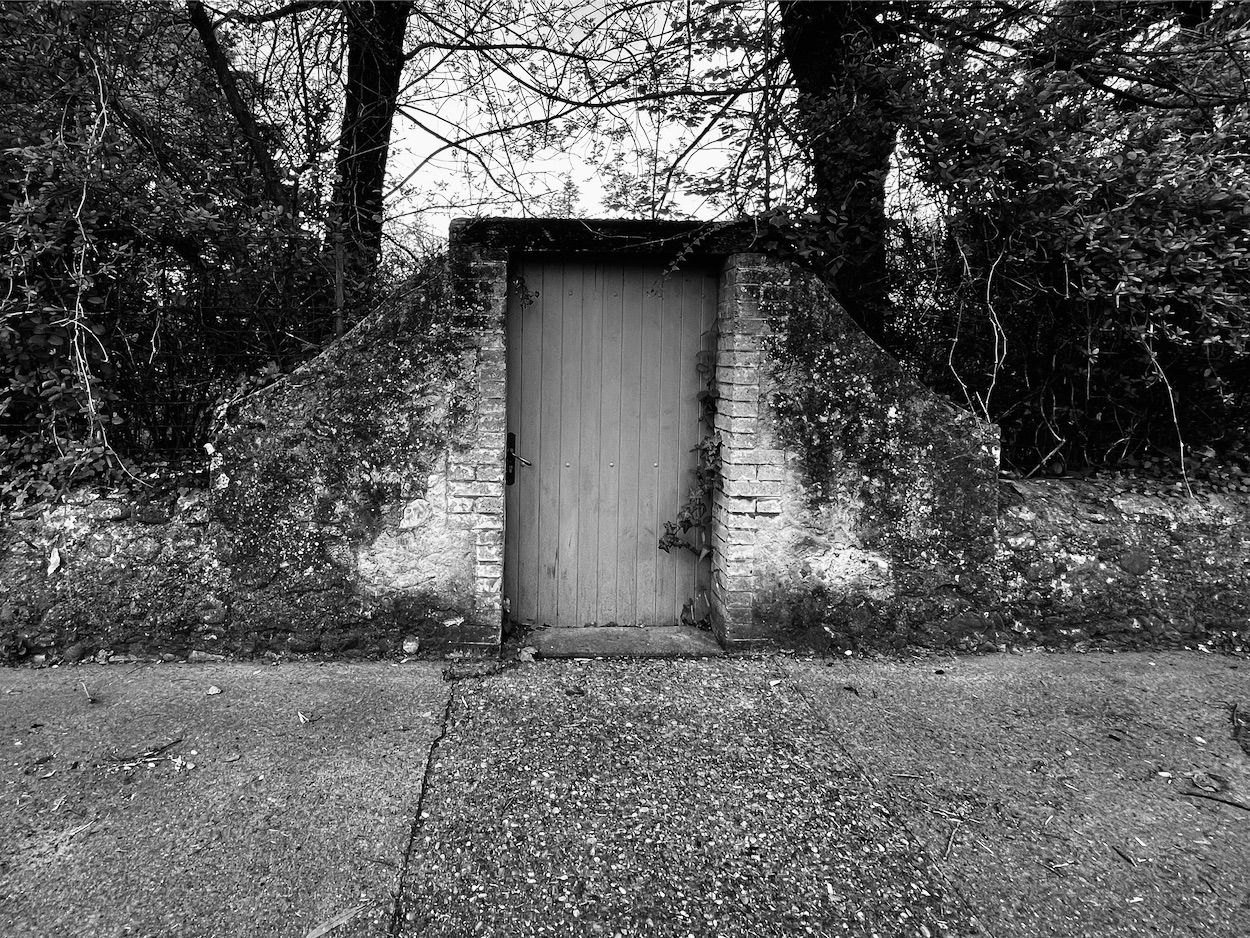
{"x": 678, "y": 641}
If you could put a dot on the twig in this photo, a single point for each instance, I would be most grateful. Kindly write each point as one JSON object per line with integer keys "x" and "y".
{"x": 1227, "y": 801}
{"x": 950, "y": 841}
{"x": 1124, "y": 856}
{"x": 1180, "y": 439}
{"x": 147, "y": 754}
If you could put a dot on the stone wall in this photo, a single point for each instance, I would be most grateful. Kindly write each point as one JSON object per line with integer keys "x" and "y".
{"x": 1127, "y": 564}
{"x": 859, "y": 511}
{"x": 105, "y": 576}
{"x": 363, "y": 490}
{"x": 1076, "y": 564}
{"x": 353, "y": 507}
{"x": 357, "y": 504}
{"x": 851, "y": 494}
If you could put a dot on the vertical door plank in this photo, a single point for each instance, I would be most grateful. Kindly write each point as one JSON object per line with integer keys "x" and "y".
{"x": 672, "y": 441}
{"x": 631, "y": 414}
{"x": 513, "y": 376}
{"x": 588, "y": 498}
{"x": 708, "y": 294}
{"x": 571, "y": 430}
{"x": 547, "y": 460}
{"x": 653, "y": 289}
{"x": 690, "y": 431}
{"x": 610, "y": 451}
{"x": 528, "y": 401}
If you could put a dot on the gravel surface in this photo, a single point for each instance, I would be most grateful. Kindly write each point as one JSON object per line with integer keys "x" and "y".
{"x": 253, "y": 821}
{"x": 1060, "y": 784}
{"x": 657, "y": 798}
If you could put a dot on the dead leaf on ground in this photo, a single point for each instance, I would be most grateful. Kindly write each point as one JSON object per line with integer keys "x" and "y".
{"x": 331, "y": 924}
{"x": 1208, "y": 781}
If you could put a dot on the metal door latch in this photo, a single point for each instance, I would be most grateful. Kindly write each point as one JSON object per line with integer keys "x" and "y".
{"x": 509, "y": 471}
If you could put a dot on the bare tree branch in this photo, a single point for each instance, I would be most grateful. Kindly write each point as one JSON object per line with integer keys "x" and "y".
{"x": 238, "y": 107}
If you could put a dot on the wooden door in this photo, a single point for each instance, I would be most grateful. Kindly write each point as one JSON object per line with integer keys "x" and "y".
{"x": 603, "y": 391}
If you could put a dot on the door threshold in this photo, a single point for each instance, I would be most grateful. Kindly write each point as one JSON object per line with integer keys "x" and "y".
{"x": 669, "y": 641}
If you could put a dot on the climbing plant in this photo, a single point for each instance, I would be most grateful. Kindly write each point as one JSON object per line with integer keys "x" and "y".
{"x": 695, "y": 514}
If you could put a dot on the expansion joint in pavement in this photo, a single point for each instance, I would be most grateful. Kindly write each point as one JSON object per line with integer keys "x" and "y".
{"x": 868, "y": 777}
{"x": 397, "y": 913}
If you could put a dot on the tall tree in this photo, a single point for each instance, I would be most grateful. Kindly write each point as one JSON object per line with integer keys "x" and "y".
{"x": 850, "y": 65}
{"x": 375, "y": 58}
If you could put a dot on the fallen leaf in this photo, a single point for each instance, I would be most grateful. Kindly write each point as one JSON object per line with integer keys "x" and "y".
{"x": 332, "y": 923}
{"x": 54, "y": 561}
{"x": 1208, "y": 781}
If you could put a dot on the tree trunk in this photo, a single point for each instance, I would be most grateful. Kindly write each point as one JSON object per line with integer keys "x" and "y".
{"x": 234, "y": 100}
{"x": 845, "y": 59}
{"x": 375, "y": 59}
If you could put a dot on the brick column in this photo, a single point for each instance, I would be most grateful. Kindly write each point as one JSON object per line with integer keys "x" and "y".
{"x": 476, "y": 472}
{"x": 747, "y": 505}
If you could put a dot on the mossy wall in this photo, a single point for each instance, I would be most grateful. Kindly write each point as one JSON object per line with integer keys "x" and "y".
{"x": 888, "y": 497}
{"x": 96, "y": 575}
{"x": 1127, "y": 564}
{"x": 328, "y": 526}
{"x": 895, "y": 531}
{"x": 333, "y": 484}
{"x": 357, "y": 504}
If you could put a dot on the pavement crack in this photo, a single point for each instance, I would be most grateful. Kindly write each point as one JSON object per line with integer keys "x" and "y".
{"x": 886, "y": 793}
{"x": 397, "y": 913}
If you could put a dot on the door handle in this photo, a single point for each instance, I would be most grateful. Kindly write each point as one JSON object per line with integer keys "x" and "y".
{"x": 513, "y": 457}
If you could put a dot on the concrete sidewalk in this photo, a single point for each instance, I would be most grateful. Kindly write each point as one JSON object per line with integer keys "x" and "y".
{"x": 280, "y": 802}
{"x": 1055, "y": 791}
{"x": 1009, "y": 795}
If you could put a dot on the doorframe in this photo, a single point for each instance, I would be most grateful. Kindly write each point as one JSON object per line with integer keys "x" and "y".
{"x": 480, "y": 256}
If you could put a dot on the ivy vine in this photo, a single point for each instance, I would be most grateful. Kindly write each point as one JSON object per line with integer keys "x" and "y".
{"x": 696, "y": 514}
